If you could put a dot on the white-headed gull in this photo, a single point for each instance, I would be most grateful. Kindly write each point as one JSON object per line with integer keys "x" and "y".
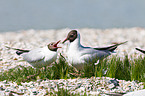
{"x": 78, "y": 54}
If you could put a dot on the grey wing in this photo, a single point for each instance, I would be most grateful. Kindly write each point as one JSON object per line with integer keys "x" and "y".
{"x": 102, "y": 53}
{"x": 90, "y": 52}
{"x": 34, "y": 55}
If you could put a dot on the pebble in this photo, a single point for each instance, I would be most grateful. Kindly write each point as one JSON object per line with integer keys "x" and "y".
{"x": 90, "y": 86}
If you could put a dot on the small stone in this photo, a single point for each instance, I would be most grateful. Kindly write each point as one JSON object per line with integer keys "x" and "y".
{"x": 41, "y": 87}
{"x": 15, "y": 59}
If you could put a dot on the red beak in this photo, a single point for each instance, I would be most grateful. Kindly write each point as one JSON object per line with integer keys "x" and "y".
{"x": 64, "y": 40}
{"x": 55, "y": 45}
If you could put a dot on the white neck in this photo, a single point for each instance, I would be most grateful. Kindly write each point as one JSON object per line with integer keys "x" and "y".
{"x": 76, "y": 43}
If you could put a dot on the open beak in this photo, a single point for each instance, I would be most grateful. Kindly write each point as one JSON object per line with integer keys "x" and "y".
{"x": 65, "y": 40}
{"x": 55, "y": 45}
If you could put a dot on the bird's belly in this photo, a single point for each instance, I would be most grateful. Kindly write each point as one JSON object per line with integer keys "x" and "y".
{"x": 49, "y": 59}
{"x": 78, "y": 61}
{"x": 38, "y": 64}
{"x": 42, "y": 63}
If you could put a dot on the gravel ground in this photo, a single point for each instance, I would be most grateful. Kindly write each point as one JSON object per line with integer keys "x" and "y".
{"x": 91, "y": 86}
{"x": 30, "y": 39}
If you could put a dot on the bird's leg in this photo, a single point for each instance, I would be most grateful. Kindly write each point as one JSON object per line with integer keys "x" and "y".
{"x": 96, "y": 67}
{"x": 74, "y": 69}
{"x": 30, "y": 76}
{"x": 76, "y": 72}
{"x": 97, "y": 62}
{"x": 44, "y": 68}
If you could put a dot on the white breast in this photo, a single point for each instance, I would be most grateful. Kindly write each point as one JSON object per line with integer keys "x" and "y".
{"x": 50, "y": 56}
{"x": 74, "y": 56}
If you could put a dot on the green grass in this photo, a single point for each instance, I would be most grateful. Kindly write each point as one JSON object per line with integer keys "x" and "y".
{"x": 65, "y": 92}
{"x": 114, "y": 67}
{"x": 119, "y": 69}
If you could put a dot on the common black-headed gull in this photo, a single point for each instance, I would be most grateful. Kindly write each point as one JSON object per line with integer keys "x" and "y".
{"x": 78, "y": 54}
{"x": 39, "y": 57}
{"x": 141, "y": 50}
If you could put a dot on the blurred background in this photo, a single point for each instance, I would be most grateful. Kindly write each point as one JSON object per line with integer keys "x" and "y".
{"x": 56, "y": 14}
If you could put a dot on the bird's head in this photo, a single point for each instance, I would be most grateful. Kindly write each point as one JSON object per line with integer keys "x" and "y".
{"x": 72, "y": 35}
{"x": 53, "y": 46}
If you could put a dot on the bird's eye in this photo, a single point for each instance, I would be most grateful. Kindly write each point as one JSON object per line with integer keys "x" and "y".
{"x": 51, "y": 44}
{"x": 72, "y": 35}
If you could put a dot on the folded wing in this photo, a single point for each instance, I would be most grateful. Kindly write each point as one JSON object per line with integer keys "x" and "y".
{"x": 34, "y": 55}
{"x": 110, "y": 48}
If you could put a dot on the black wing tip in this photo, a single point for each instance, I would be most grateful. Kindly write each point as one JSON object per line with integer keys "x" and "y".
{"x": 121, "y": 43}
{"x": 143, "y": 51}
{"x": 112, "y": 49}
{"x": 137, "y": 48}
{"x": 124, "y": 42}
{"x": 23, "y": 50}
{"x": 19, "y": 52}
